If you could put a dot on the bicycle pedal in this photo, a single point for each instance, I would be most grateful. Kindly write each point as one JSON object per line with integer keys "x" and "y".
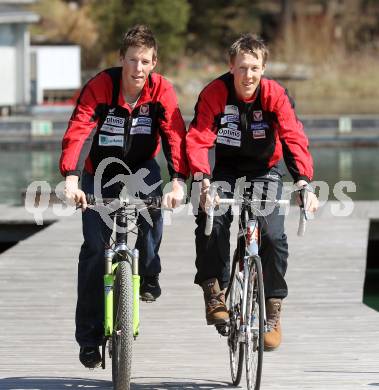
{"x": 147, "y": 300}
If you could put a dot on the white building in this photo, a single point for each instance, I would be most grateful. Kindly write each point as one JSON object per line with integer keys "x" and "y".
{"x": 14, "y": 52}
{"x": 55, "y": 72}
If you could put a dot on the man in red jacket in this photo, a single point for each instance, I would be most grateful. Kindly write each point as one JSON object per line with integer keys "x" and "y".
{"x": 251, "y": 124}
{"x": 122, "y": 113}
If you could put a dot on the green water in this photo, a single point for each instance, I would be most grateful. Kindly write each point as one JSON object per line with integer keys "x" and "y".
{"x": 19, "y": 168}
{"x": 360, "y": 165}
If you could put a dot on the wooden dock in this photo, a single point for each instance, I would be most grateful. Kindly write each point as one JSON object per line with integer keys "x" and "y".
{"x": 330, "y": 341}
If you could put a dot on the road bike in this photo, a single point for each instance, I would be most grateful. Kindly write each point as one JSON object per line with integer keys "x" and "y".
{"x": 245, "y": 292}
{"x": 121, "y": 284}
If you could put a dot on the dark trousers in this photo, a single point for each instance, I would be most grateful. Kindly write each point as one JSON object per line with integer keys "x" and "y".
{"x": 213, "y": 253}
{"x": 90, "y": 303}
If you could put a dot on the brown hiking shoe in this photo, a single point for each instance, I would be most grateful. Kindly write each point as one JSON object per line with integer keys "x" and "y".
{"x": 273, "y": 337}
{"x": 215, "y": 308}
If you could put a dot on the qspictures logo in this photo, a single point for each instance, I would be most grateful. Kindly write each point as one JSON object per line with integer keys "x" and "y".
{"x": 134, "y": 186}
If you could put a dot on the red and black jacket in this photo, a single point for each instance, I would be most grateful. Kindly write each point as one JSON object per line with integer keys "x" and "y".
{"x": 103, "y": 125}
{"x": 249, "y": 137}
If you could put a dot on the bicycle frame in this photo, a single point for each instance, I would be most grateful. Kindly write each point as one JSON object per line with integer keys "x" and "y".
{"x": 251, "y": 234}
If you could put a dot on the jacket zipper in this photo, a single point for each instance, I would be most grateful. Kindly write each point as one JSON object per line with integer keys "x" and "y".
{"x": 126, "y": 135}
{"x": 244, "y": 121}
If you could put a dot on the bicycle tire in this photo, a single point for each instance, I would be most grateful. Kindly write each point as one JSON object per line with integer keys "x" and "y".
{"x": 122, "y": 337}
{"x": 236, "y": 348}
{"x": 254, "y": 326}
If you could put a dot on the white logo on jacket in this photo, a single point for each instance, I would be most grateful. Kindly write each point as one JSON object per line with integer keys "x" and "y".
{"x": 230, "y": 133}
{"x": 112, "y": 129}
{"x": 259, "y": 134}
{"x": 107, "y": 140}
{"x": 230, "y": 109}
{"x": 230, "y": 137}
{"x": 228, "y": 141}
{"x": 233, "y": 126}
{"x": 230, "y": 118}
{"x": 115, "y": 121}
{"x": 140, "y": 130}
{"x": 142, "y": 120}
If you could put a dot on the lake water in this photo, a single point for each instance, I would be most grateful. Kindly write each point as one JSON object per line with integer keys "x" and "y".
{"x": 360, "y": 165}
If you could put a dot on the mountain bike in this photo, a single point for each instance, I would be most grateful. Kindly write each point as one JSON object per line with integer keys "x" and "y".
{"x": 245, "y": 292}
{"x": 121, "y": 284}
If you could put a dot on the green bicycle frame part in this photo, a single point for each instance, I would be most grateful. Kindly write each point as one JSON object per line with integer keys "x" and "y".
{"x": 108, "y": 302}
{"x": 136, "y": 287}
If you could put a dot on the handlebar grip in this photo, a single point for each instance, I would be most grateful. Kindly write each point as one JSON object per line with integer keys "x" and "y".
{"x": 226, "y": 201}
{"x": 90, "y": 198}
{"x": 302, "y": 222}
{"x": 283, "y": 202}
{"x": 209, "y": 222}
{"x": 303, "y": 214}
{"x": 210, "y": 211}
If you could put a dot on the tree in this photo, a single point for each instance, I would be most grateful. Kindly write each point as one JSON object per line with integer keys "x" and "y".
{"x": 65, "y": 23}
{"x": 167, "y": 18}
{"x": 215, "y": 24}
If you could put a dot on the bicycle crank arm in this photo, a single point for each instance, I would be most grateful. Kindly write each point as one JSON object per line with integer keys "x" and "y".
{"x": 104, "y": 343}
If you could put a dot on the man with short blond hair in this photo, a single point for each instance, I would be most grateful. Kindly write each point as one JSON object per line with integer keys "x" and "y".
{"x": 251, "y": 123}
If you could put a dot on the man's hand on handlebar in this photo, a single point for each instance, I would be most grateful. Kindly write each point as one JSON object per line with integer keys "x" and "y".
{"x": 72, "y": 192}
{"x": 311, "y": 201}
{"x": 205, "y": 198}
{"x": 175, "y": 197}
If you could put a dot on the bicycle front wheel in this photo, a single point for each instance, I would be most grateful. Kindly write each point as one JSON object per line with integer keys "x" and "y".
{"x": 122, "y": 337}
{"x": 236, "y": 347}
{"x": 254, "y": 326}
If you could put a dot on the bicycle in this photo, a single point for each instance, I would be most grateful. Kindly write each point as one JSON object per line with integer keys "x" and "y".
{"x": 246, "y": 305}
{"x": 121, "y": 285}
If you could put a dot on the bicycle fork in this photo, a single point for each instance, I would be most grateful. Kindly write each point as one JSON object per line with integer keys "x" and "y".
{"x": 252, "y": 245}
{"x": 109, "y": 277}
{"x": 110, "y": 270}
{"x": 136, "y": 287}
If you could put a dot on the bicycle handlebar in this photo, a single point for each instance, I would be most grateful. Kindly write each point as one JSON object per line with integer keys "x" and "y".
{"x": 304, "y": 216}
{"x": 230, "y": 202}
{"x": 151, "y": 201}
